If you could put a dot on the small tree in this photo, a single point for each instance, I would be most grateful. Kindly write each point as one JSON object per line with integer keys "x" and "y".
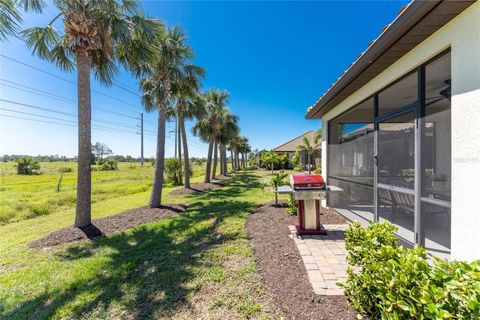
{"x": 309, "y": 149}
{"x": 276, "y": 181}
{"x": 99, "y": 150}
{"x": 283, "y": 161}
{"x": 109, "y": 165}
{"x": 27, "y": 166}
{"x": 296, "y": 161}
{"x": 270, "y": 158}
{"x": 173, "y": 169}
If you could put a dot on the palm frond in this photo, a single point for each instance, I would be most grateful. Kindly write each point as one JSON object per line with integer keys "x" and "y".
{"x": 42, "y": 40}
{"x": 9, "y": 18}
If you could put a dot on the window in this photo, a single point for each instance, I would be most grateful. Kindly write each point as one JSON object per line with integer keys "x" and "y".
{"x": 409, "y": 131}
{"x": 350, "y": 153}
{"x": 400, "y": 94}
{"x": 436, "y": 158}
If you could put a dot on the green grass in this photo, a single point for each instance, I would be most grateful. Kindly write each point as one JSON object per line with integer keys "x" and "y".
{"x": 196, "y": 265}
{"x": 27, "y": 197}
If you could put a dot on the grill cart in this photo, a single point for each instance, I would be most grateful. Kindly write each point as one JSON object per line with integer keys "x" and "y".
{"x": 308, "y": 190}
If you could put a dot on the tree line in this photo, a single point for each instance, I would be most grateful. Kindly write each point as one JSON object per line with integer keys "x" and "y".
{"x": 100, "y": 36}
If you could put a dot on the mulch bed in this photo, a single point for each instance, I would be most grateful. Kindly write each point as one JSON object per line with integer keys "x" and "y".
{"x": 198, "y": 187}
{"x": 329, "y": 216}
{"x": 108, "y": 225}
{"x": 282, "y": 268}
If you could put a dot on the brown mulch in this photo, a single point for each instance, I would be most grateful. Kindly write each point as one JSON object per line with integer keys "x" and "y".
{"x": 108, "y": 225}
{"x": 329, "y": 216}
{"x": 283, "y": 271}
{"x": 198, "y": 187}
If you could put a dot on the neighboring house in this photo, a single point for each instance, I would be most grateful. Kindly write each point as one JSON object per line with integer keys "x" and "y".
{"x": 401, "y": 129}
{"x": 289, "y": 148}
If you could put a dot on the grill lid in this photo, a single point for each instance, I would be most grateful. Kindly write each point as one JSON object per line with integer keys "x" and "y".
{"x": 307, "y": 180}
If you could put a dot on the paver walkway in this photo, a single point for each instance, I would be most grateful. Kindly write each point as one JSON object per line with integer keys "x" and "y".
{"x": 324, "y": 258}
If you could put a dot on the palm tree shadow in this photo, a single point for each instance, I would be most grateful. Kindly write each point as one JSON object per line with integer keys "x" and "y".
{"x": 149, "y": 268}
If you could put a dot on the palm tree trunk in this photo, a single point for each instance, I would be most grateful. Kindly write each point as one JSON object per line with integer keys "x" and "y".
{"x": 309, "y": 162}
{"x": 232, "y": 160}
{"x": 237, "y": 160}
{"x": 179, "y": 139}
{"x": 83, "y": 216}
{"x": 209, "y": 161}
{"x": 225, "y": 166}
{"x": 156, "y": 196}
{"x": 215, "y": 155}
{"x": 243, "y": 160}
{"x": 185, "y": 155}
{"x": 220, "y": 149}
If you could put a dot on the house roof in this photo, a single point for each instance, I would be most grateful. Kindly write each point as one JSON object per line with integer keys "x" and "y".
{"x": 292, "y": 145}
{"x": 414, "y": 23}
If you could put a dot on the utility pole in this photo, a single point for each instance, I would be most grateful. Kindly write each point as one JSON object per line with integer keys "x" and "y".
{"x": 141, "y": 139}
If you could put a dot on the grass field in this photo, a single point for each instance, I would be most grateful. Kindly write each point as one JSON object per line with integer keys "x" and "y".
{"x": 196, "y": 265}
{"x": 26, "y": 197}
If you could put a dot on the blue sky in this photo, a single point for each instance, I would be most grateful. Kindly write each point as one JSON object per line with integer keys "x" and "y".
{"x": 275, "y": 59}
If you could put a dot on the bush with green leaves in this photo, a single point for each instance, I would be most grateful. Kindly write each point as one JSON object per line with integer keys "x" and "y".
{"x": 390, "y": 282}
{"x": 109, "y": 165}
{"x": 173, "y": 170}
{"x": 65, "y": 169}
{"x": 276, "y": 181}
{"x": 296, "y": 161}
{"x": 27, "y": 166}
{"x": 292, "y": 206}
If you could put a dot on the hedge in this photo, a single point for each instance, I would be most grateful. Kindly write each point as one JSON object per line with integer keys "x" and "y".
{"x": 387, "y": 281}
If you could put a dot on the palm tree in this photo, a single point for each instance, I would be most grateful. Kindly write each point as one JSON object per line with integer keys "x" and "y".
{"x": 163, "y": 73}
{"x": 10, "y": 15}
{"x": 234, "y": 145}
{"x": 318, "y": 136}
{"x": 188, "y": 106}
{"x": 276, "y": 181}
{"x": 97, "y": 35}
{"x": 228, "y": 131}
{"x": 208, "y": 128}
{"x": 309, "y": 149}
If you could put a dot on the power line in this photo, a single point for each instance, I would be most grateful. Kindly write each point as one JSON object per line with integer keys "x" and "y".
{"x": 67, "y": 124}
{"x": 67, "y": 80}
{"x": 47, "y": 94}
{"x": 66, "y": 120}
{"x": 69, "y": 114}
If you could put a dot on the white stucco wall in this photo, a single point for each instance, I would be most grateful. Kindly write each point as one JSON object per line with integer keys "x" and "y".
{"x": 462, "y": 35}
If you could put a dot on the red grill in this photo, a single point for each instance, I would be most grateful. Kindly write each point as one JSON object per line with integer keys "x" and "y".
{"x": 307, "y": 182}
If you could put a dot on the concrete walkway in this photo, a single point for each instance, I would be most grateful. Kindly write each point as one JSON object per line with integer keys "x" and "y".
{"x": 324, "y": 258}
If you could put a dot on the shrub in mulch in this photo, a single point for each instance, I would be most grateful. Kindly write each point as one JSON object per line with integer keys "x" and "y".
{"x": 109, "y": 225}
{"x": 283, "y": 271}
{"x": 198, "y": 187}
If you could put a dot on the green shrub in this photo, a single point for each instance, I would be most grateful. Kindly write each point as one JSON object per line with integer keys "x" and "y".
{"x": 65, "y": 169}
{"x": 296, "y": 161}
{"x": 173, "y": 170}
{"x": 390, "y": 282}
{"x": 109, "y": 165}
{"x": 361, "y": 242}
{"x": 38, "y": 209}
{"x": 6, "y": 216}
{"x": 292, "y": 206}
{"x": 27, "y": 166}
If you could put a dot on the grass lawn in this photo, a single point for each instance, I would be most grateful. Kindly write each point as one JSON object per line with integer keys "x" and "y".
{"x": 26, "y": 197}
{"x": 196, "y": 265}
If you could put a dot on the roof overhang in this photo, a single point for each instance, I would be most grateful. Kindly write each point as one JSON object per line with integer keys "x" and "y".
{"x": 414, "y": 23}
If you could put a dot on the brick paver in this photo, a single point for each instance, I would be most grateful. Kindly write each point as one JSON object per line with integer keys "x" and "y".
{"x": 324, "y": 258}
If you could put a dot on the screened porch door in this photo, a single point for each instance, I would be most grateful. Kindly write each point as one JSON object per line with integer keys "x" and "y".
{"x": 395, "y": 185}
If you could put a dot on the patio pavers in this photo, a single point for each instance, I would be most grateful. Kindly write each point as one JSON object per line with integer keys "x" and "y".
{"x": 324, "y": 258}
